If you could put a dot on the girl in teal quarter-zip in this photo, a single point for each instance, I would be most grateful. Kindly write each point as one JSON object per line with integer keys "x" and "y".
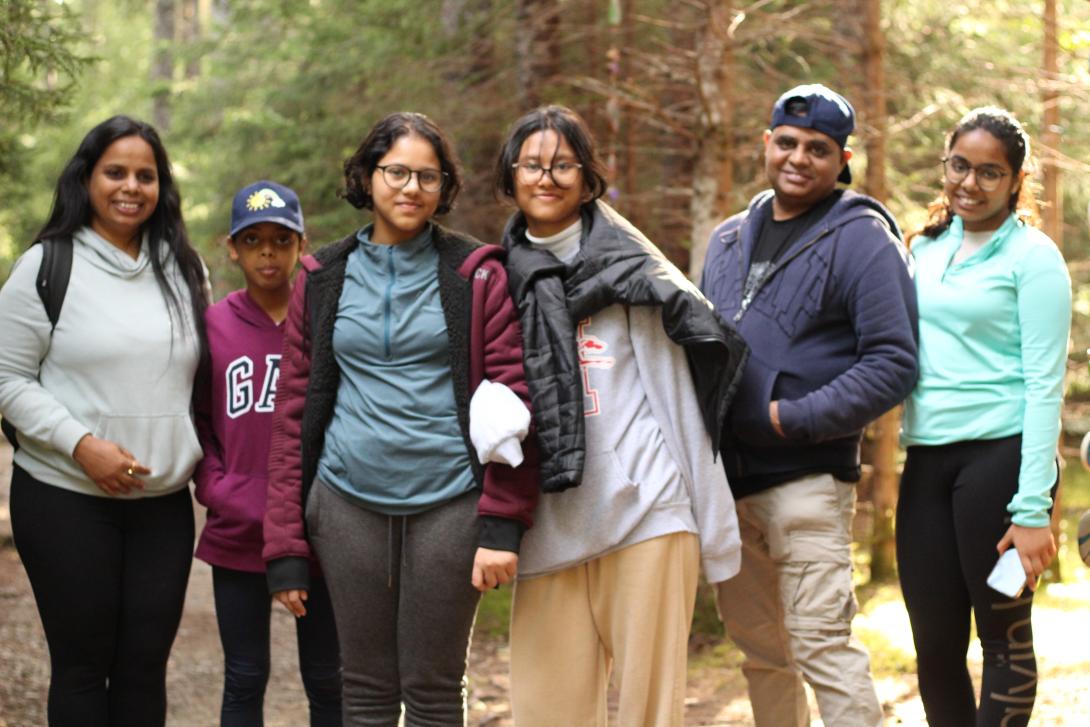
{"x": 390, "y": 344}
{"x": 383, "y": 459}
{"x": 981, "y": 427}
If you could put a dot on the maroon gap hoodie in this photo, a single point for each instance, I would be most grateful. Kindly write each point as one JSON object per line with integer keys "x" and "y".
{"x": 234, "y": 423}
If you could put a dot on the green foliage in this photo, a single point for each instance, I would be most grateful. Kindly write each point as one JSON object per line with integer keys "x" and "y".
{"x": 946, "y": 59}
{"x": 706, "y": 623}
{"x": 494, "y": 613}
{"x": 39, "y": 67}
{"x": 1074, "y": 500}
{"x": 286, "y": 90}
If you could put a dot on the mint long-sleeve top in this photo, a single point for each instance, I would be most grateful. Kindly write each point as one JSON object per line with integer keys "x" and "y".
{"x": 993, "y": 345}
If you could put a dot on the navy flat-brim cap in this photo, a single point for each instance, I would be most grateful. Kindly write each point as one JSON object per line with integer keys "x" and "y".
{"x": 827, "y": 112}
{"x": 266, "y": 201}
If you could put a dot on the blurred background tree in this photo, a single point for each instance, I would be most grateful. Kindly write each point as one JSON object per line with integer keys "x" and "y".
{"x": 678, "y": 93}
{"x": 42, "y": 53}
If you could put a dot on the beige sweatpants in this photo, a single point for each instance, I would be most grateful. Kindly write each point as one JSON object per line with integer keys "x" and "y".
{"x": 790, "y": 608}
{"x": 627, "y": 611}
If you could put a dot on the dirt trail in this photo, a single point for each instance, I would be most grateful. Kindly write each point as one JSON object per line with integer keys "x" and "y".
{"x": 716, "y": 687}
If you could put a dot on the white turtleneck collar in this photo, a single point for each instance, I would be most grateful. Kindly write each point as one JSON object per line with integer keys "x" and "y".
{"x": 564, "y": 244}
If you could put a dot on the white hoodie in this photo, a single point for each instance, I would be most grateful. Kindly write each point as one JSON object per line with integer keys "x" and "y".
{"x": 117, "y": 366}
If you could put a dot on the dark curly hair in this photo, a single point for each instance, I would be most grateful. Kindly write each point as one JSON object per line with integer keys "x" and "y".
{"x": 1001, "y": 124}
{"x": 359, "y": 167}
{"x": 72, "y": 210}
{"x": 568, "y": 124}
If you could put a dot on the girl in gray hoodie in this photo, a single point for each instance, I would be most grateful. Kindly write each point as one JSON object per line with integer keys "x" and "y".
{"x": 630, "y": 371}
{"x": 100, "y": 509}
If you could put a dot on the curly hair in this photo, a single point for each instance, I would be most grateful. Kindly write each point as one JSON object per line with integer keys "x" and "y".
{"x": 359, "y": 167}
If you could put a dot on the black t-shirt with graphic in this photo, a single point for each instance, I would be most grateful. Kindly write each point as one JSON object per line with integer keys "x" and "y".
{"x": 775, "y": 237}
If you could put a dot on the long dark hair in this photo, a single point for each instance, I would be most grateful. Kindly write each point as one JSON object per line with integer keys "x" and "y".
{"x": 570, "y": 126}
{"x": 359, "y": 167}
{"x": 1001, "y": 124}
{"x": 72, "y": 210}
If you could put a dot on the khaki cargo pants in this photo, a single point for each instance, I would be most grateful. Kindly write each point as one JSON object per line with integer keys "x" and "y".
{"x": 790, "y": 608}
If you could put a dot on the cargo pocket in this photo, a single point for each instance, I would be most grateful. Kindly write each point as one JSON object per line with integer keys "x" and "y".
{"x": 817, "y": 596}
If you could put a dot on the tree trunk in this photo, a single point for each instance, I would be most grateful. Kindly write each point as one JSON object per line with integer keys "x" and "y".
{"x": 884, "y": 480}
{"x": 592, "y": 45}
{"x": 1053, "y": 194}
{"x": 671, "y": 209}
{"x": 628, "y": 162}
{"x": 471, "y": 68}
{"x": 713, "y": 171}
{"x": 162, "y": 71}
{"x": 611, "y": 140}
{"x": 191, "y": 33}
{"x": 1050, "y": 136}
{"x": 535, "y": 48}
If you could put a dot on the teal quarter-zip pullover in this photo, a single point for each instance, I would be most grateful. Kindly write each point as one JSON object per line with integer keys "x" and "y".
{"x": 394, "y": 444}
{"x": 993, "y": 346}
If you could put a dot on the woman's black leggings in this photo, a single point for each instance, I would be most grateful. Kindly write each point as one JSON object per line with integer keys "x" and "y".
{"x": 951, "y": 514}
{"x": 109, "y": 579}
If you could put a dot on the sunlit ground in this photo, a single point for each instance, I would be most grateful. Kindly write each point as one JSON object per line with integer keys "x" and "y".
{"x": 1061, "y": 628}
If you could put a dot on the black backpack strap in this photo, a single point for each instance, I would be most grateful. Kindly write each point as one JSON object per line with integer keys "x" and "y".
{"x": 9, "y": 433}
{"x": 52, "y": 284}
{"x": 53, "y": 275}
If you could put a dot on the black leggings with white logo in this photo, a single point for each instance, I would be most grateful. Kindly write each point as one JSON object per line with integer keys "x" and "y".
{"x": 109, "y": 579}
{"x": 951, "y": 514}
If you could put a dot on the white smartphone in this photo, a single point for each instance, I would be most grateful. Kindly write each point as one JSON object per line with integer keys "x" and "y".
{"x": 1008, "y": 577}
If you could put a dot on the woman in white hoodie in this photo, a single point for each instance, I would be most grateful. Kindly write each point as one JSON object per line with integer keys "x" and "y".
{"x": 101, "y": 513}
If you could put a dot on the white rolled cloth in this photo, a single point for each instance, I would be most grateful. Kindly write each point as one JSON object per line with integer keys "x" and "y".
{"x": 498, "y": 422}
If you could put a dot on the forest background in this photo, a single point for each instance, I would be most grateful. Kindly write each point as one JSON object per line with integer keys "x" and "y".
{"x": 677, "y": 92}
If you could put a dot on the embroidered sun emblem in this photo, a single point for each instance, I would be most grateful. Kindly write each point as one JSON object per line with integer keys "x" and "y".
{"x": 258, "y": 201}
{"x": 263, "y": 199}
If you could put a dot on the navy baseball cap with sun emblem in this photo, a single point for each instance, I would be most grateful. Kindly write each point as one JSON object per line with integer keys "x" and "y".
{"x": 266, "y": 201}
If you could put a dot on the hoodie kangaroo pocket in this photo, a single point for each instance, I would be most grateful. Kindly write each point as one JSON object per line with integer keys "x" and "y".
{"x": 605, "y": 470}
{"x": 749, "y": 416}
{"x": 165, "y": 443}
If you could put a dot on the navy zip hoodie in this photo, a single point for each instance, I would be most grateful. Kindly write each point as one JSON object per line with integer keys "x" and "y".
{"x": 832, "y": 333}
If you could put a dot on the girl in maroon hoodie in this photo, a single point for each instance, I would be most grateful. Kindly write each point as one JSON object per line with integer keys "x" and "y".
{"x": 234, "y": 420}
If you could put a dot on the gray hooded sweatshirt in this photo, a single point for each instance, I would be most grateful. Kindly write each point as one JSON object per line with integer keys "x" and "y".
{"x": 650, "y": 466}
{"x": 117, "y": 366}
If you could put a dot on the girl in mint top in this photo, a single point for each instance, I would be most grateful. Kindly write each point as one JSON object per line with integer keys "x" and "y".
{"x": 982, "y": 424}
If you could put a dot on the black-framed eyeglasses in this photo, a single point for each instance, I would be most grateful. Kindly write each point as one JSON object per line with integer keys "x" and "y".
{"x": 398, "y": 176}
{"x": 988, "y": 176}
{"x": 562, "y": 173}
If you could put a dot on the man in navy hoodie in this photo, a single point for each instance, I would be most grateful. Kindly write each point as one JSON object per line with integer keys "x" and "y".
{"x": 817, "y": 281}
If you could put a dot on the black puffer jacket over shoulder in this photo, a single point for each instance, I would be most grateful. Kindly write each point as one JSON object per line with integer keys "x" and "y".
{"x": 616, "y": 263}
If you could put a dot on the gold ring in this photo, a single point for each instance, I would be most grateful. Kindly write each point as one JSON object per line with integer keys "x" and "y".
{"x": 129, "y": 471}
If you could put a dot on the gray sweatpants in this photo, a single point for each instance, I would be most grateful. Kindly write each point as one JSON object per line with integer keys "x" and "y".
{"x": 403, "y": 603}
